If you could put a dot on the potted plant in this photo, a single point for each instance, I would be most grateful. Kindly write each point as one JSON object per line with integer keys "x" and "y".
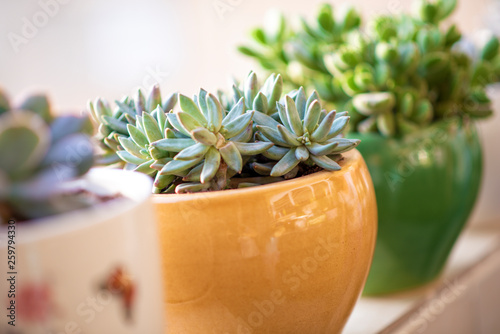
{"x": 267, "y": 217}
{"x": 79, "y": 248}
{"x": 415, "y": 94}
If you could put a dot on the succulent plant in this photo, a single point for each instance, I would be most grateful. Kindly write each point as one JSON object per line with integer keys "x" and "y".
{"x": 397, "y": 75}
{"x": 40, "y": 153}
{"x": 112, "y": 123}
{"x": 303, "y": 133}
{"x": 207, "y": 144}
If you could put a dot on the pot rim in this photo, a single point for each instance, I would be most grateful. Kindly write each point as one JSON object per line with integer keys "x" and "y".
{"x": 351, "y": 159}
{"x": 133, "y": 186}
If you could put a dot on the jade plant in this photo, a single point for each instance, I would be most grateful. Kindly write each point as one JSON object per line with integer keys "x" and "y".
{"x": 215, "y": 142}
{"x": 397, "y": 74}
{"x": 40, "y": 154}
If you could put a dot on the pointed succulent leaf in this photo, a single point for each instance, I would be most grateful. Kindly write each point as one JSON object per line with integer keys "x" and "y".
{"x": 324, "y": 127}
{"x": 175, "y": 167}
{"x": 301, "y": 153}
{"x": 145, "y": 168}
{"x": 185, "y": 188}
{"x": 194, "y": 174}
{"x": 211, "y": 165}
{"x": 312, "y": 116}
{"x": 260, "y": 103}
{"x": 188, "y": 106}
{"x": 137, "y": 136}
{"x": 338, "y": 126}
{"x": 195, "y": 151}
{"x": 237, "y": 126}
{"x": 253, "y": 148}
{"x": 275, "y": 152}
{"x": 130, "y": 158}
{"x": 204, "y": 136}
{"x": 301, "y": 103}
{"x": 170, "y": 102}
{"x": 286, "y": 164}
{"x": 244, "y": 136}
{"x": 343, "y": 145}
{"x": 154, "y": 99}
{"x": 163, "y": 181}
{"x": 214, "y": 112}
{"x": 115, "y": 124}
{"x": 232, "y": 156}
{"x": 237, "y": 110}
{"x": 173, "y": 145}
{"x": 151, "y": 128}
{"x": 265, "y": 120}
{"x": 140, "y": 102}
{"x": 325, "y": 162}
{"x": 172, "y": 119}
{"x": 201, "y": 100}
{"x": 131, "y": 147}
{"x": 187, "y": 121}
{"x": 288, "y": 136}
{"x": 250, "y": 89}
{"x": 273, "y": 135}
{"x": 320, "y": 149}
{"x": 293, "y": 116}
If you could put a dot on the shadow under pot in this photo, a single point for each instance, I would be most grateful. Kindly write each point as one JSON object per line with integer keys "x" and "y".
{"x": 426, "y": 186}
{"x": 289, "y": 257}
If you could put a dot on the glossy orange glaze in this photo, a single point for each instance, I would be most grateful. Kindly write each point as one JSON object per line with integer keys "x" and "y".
{"x": 289, "y": 257}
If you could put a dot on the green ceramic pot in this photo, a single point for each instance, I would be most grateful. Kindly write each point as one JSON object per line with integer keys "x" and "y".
{"x": 426, "y": 187}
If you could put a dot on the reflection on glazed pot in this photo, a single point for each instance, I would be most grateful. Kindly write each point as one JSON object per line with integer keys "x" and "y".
{"x": 289, "y": 257}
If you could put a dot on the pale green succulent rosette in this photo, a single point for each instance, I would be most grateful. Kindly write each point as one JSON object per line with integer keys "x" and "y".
{"x": 398, "y": 74}
{"x": 303, "y": 133}
{"x": 230, "y": 140}
{"x": 214, "y": 146}
{"x": 40, "y": 153}
{"x": 112, "y": 124}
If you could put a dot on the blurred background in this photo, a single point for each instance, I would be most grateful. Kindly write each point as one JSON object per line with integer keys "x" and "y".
{"x": 77, "y": 50}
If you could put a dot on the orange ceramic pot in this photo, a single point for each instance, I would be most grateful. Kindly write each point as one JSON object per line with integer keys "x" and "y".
{"x": 289, "y": 257}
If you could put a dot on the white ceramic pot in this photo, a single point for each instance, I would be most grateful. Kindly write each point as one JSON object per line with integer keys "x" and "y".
{"x": 89, "y": 271}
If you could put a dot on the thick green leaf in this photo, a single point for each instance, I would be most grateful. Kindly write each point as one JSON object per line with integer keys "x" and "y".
{"x": 253, "y": 148}
{"x": 188, "y": 106}
{"x": 173, "y": 145}
{"x": 195, "y": 151}
{"x": 324, "y": 127}
{"x": 204, "y": 136}
{"x": 286, "y": 164}
{"x": 237, "y": 126}
{"x": 237, "y": 110}
{"x": 232, "y": 156}
{"x": 211, "y": 165}
{"x": 312, "y": 116}
{"x": 325, "y": 162}
{"x": 137, "y": 136}
{"x": 214, "y": 113}
{"x": 338, "y": 126}
{"x": 132, "y": 159}
{"x": 151, "y": 128}
{"x": 175, "y": 167}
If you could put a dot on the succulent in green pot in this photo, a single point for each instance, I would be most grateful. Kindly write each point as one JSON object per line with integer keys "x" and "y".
{"x": 415, "y": 88}
{"x": 250, "y": 183}
{"x": 40, "y": 153}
